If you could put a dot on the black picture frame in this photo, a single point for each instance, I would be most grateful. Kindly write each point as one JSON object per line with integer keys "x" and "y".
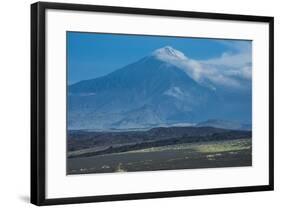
{"x": 38, "y": 98}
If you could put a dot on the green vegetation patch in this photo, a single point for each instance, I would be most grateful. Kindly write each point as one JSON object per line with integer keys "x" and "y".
{"x": 228, "y": 146}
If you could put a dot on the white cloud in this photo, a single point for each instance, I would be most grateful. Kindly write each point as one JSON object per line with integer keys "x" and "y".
{"x": 233, "y": 65}
{"x": 227, "y": 70}
{"x": 232, "y": 60}
{"x": 175, "y": 92}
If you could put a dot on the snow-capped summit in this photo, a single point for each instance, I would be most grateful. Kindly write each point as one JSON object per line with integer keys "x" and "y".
{"x": 168, "y": 53}
{"x": 176, "y": 58}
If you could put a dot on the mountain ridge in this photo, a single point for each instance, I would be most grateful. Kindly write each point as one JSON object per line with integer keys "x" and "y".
{"x": 142, "y": 94}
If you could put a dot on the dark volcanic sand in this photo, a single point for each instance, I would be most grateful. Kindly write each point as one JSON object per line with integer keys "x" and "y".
{"x": 214, "y": 154}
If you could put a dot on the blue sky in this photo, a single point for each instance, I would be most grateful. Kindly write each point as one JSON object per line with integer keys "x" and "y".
{"x": 91, "y": 55}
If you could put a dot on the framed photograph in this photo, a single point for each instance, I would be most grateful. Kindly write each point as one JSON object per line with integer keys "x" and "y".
{"x": 134, "y": 103}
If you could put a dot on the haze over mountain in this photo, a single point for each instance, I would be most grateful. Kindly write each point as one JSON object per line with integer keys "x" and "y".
{"x": 163, "y": 88}
{"x": 224, "y": 124}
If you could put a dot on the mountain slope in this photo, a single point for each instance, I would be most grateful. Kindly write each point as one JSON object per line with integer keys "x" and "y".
{"x": 224, "y": 124}
{"x": 149, "y": 92}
